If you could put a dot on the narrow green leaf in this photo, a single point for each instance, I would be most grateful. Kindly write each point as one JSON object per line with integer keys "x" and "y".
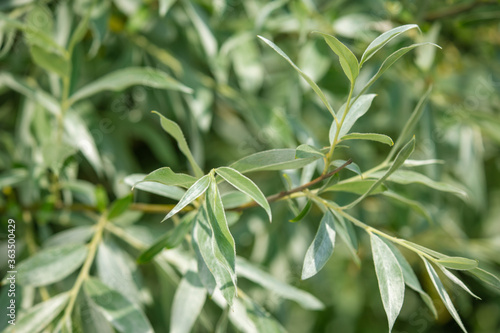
{"x": 170, "y": 240}
{"x": 457, "y": 281}
{"x": 410, "y": 278}
{"x": 51, "y": 265}
{"x": 191, "y": 194}
{"x": 404, "y": 153}
{"x": 175, "y": 131}
{"x": 389, "y": 61}
{"x": 117, "y": 269}
{"x": 37, "y": 318}
{"x": 305, "y": 151}
{"x": 167, "y": 177}
{"x": 52, "y": 62}
{"x": 251, "y": 272}
{"x": 369, "y": 136}
{"x": 356, "y": 110}
{"x": 125, "y": 316}
{"x": 321, "y": 248}
{"x": 245, "y": 185}
{"x": 390, "y": 279}
{"x": 124, "y": 78}
{"x": 234, "y": 199}
{"x": 357, "y": 187}
{"x": 409, "y": 177}
{"x": 172, "y": 192}
{"x": 204, "y": 242}
{"x": 120, "y": 206}
{"x": 383, "y": 39}
{"x": 347, "y": 59}
{"x": 275, "y": 159}
{"x": 443, "y": 294}
{"x": 76, "y": 235}
{"x": 189, "y": 299}
{"x": 303, "y": 212}
{"x": 458, "y": 263}
{"x": 486, "y": 277}
{"x": 223, "y": 242}
{"x": 313, "y": 85}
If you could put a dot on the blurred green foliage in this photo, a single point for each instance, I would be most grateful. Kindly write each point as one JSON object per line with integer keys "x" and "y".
{"x": 60, "y": 166}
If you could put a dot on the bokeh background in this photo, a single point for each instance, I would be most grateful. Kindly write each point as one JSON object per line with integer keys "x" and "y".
{"x": 247, "y": 99}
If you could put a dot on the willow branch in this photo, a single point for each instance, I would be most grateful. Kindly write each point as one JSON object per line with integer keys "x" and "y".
{"x": 283, "y": 194}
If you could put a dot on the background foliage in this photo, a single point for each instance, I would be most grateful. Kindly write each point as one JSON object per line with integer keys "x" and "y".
{"x": 65, "y": 156}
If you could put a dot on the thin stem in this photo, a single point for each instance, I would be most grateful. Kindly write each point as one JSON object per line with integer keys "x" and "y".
{"x": 329, "y": 155}
{"x": 84, "y": 272}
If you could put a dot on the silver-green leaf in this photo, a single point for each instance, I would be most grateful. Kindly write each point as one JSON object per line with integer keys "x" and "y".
{"x": 348, "y": 60}
{"x": 125, "y": 316}
{"x": 245, "y": 185}
{"x": 321, "y": 248}
{"x": 390, "y": 279}
{"x": 191, "y": 194}
{"x": 443, "y": 294}
{"x": 124, "y": 78}
{"x": 313, "y": 85}
{"x": 383, "y": 39}
{"x": 51, "y": 265}
{"x": 189, "y": 299}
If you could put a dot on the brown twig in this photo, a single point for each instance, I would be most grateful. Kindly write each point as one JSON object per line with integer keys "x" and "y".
{"x": 300, "y": 188}
{"x": 162, "y": 208}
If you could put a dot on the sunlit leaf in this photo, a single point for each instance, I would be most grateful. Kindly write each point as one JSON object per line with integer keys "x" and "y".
{"x": 188, "y": 301}
{"x": 313, "y": 85}
{"x": 383, "y": 39}
{"x": 443, "y": 294}
{"x": 369, "y": 136}
{"x": 245, "y": 185}
{"x": 356, "y": 110}
{"x": 191, "y": 194}
{"x": 458, "y": 263}
{"x": 37, "y": 318}
{"x": 457, "y": 281}
{"x": 125, "y": 316}
{"x": 390, "y": 61}
{"x": 124, "y": 78}
{"x": 357, "y": 187}
{"x": 390, "y": 279}
{"x": 51, "y": 265}
{"x": 172, "y": 192}
{"x": 204, "y": 240}
{"x": 167, "y": 177}
{"x": 321, "y": 247}
{"x": 347, "y": 59}
{"x": 175, "y": 131}
{"x": 223, "y": 242}
{"x": 275, "y": 159}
